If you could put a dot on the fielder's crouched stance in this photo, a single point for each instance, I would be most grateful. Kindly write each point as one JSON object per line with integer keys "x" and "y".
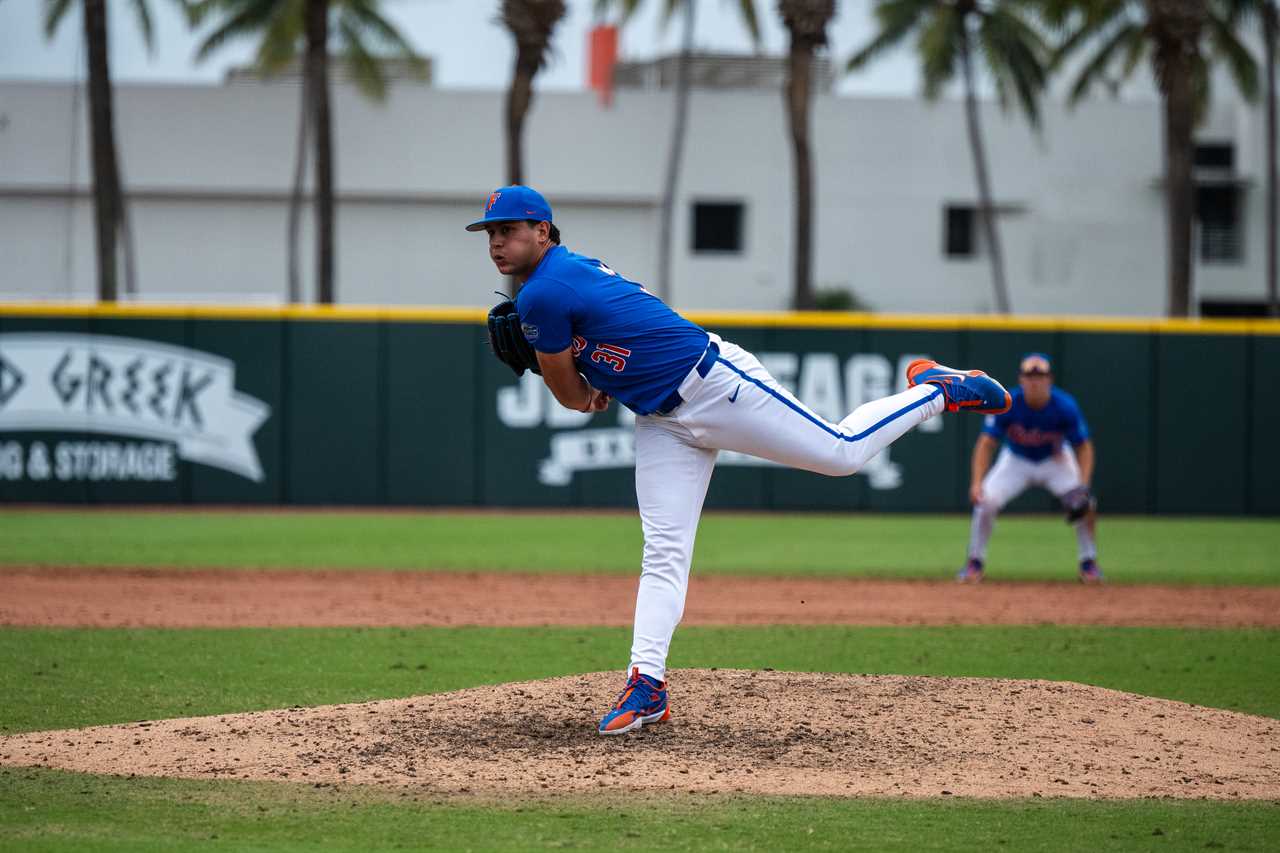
{"x": 594, "y": 335}
{"x": 1047, "y": 444}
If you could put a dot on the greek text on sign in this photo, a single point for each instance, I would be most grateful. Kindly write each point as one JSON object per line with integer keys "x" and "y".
{"x": 125, "y": 386}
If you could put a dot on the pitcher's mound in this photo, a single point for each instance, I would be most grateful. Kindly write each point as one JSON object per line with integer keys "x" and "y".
{"x": 731, "y": 730}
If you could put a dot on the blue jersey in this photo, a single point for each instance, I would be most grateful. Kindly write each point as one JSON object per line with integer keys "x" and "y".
{"x": 624, "y": 339}
{"x": 1037, "y": 434}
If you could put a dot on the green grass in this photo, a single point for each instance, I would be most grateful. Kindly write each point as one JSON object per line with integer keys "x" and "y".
{"x": 70, "y": 678}
{"x": 1133, "y": 549}
{"x": 48, "y": 810}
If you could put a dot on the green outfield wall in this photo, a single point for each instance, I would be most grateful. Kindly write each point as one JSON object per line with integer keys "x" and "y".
{"x": 363, "y": 406}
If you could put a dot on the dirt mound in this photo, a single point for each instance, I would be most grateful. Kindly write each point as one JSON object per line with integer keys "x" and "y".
{"x": 732, "y": 730}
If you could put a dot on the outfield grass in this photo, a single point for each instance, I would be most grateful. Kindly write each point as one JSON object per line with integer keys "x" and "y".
{"x": 49, "y": 810}
{"x": 1133, "y": 549}
{"x": 71, "y": 678}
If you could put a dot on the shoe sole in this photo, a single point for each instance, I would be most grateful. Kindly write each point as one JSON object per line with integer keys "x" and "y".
{"x": 639, "y": 722}
{"x": 955, "y": 407}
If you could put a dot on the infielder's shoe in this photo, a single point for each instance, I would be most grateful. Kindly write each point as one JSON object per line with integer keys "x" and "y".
{"x": 971, "y": 573}
{"x": 970, "y": 390}
{"x": 1089, "y": 572}
{"x": 643, "y": 700}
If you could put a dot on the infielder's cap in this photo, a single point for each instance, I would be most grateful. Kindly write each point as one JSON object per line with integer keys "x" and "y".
{"x": 512, "y": 204}
{"x": 1035, "y": 362}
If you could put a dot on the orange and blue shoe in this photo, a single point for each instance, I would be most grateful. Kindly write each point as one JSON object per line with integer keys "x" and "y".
{"x": 968, "y": 390}
{"x": 971, "y": 573}
{"x": 1089, "y": 572}
{"x": 643, "y": 700}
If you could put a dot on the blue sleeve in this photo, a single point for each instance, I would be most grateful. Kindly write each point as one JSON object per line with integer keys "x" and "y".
{"x": 546, "y": 314}
{"x": 1077, "y": 431}
{"x": 995, "y": 425}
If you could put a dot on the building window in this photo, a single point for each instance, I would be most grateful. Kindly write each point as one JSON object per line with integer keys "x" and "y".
{"x": 959, "y": 231}
{"x": 1218, "y": 209}
{"x": 1215, "y": 308}
{"x": 717, "y": 226}
{"x": 1215, "y": 156}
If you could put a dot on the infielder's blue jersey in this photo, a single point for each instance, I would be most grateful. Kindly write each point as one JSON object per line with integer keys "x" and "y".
{"x": 1036, "y": 434}
{"x": 624, "y": 339}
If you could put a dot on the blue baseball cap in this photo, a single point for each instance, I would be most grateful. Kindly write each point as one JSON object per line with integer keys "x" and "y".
{"x": 1035, "y": 362}
{"x": 512, "y": 204}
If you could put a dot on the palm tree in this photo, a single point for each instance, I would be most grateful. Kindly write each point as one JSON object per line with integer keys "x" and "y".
{"x": 531, "y": 23}
{"x": 108, "y": 191}
{"x": 679, "y": 131}
{"x": 287, "y": 30}
{"x": 951, "y": 32}
{"x": 806, "y": 22}
{"x": 1181, "y": 36}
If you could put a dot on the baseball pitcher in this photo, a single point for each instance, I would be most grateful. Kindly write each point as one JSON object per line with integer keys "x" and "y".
{"x": 594, "y": 335}
{"x": 1046, "y": 444}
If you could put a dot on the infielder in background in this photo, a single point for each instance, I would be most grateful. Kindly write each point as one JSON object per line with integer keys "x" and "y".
{"x": 1046, "y": 444}
{"x": 593, "y": 335}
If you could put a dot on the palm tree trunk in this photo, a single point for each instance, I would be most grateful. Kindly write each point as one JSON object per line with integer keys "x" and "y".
{"x": 318, "y": 71}
{"x": 128, "y": 247}
{"x": 985, "y": 201}
{"x": 519, "y": 98}
{"x": 295, "y": 195}
{"x": 1269, "y": 13}
{"x": 1174, "y": 26}
{"x": 799, "y": 71}
{"x": 106, "y": 181}
{"x": 1179, "y": 119}
{"x": 675, "y": 156}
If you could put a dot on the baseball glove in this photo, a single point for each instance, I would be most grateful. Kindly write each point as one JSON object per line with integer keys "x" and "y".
{"x": 507, "y": 339}
{"x": 1078, "y": 503}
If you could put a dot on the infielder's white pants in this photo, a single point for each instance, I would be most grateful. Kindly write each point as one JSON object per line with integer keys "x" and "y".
{"x": 738, "y": 406}
{"x": 1009, "y": 477}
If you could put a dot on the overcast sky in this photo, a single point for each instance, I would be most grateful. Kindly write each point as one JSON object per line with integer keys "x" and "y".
{"x": 462, "y": 37}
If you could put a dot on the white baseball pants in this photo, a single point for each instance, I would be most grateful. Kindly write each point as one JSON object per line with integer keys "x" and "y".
{"x": 738, "y": 406}
{"x": 1009, "y": 477}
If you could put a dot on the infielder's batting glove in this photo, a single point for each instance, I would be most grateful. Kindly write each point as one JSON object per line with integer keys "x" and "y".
{"x": 507, "y": 339}
{"x": 1078, "y": 503}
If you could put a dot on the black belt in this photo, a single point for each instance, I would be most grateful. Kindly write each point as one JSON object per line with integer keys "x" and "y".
{"x": 708, "y": 360}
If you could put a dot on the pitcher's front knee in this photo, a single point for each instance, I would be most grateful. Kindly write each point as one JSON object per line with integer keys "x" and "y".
{"x": 987, "y": 509}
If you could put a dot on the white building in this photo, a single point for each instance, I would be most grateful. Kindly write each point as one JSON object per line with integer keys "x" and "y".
{"x": 208, "y": 171}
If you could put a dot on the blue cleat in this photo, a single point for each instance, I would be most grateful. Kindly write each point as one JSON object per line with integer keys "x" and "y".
{"x": 1089, "y": 572}
{"x": 970, "y": 390}
{"x": 643, "y": 700}
{"x": 971, "y": 573}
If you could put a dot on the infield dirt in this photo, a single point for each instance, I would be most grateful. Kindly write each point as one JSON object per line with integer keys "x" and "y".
{"x": 215, "y": 599}
{"x": 732, "y": 731}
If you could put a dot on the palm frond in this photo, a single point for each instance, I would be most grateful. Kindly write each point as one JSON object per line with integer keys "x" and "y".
{"x": 626, "y": 8}
{"x": 365, "y": 20}
{"x": 1088, "y": 24}
{"x": 364, "y": 67}
{"x": 1017, "y": 57}
{"x": 250, "y": 17}
{"x": 282, "y": 37}
{"x": 896, "y": 18}
{"x": 939, "y": 46}
{"x": 54, "y": 12}
{"x": 143, "y": 12}
{"x": 747, "y": 8}
{"x": 1096, "y": 68}
{"x": 1241, "y": 64}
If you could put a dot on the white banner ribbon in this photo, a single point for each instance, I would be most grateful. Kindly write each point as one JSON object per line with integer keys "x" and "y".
{"x": 70, "y": 382}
